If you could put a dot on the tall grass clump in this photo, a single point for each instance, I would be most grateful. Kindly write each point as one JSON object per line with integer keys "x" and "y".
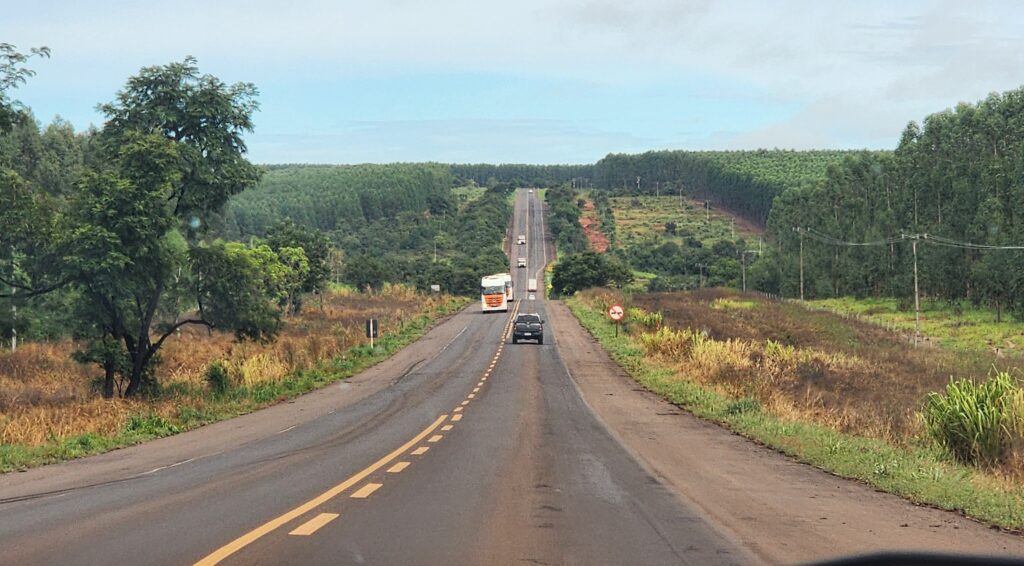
{"x": 644, "y": 318}
{"x": 667, "y": 342}
{"x": 978, "y": 422}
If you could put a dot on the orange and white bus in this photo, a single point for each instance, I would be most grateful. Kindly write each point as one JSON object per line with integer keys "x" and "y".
{"x": 496, "y": 292}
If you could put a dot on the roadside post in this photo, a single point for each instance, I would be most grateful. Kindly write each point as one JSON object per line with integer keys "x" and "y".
{"x": 371, "y": 330}
{"x": 616, "y": 313}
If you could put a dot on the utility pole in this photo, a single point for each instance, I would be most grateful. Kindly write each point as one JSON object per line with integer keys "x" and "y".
{"x": 14, "y": 291}
{"x": 14, "y": 307}
{"x": 801, "y": 232}
{"x": 743, "y": 268}
{"x": 733, "y": 228}
{"x": 638, "y": 184}
{"x": 680, "y": 198}
{"x": 917, "y": 298}
{"x": 657, "y": 188}
{"x": 707, "y": 208}
{"x": 743, "y": 265}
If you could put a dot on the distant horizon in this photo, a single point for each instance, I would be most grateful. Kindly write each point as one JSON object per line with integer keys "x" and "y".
{"x": 499, "y": 163}
{"x": 541, "y": 81}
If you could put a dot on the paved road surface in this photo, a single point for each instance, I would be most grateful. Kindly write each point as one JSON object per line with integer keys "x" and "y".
{"x": 463, "y": 449}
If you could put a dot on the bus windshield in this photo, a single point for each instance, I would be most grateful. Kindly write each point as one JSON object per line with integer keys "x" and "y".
{"x": 492, "y": 290}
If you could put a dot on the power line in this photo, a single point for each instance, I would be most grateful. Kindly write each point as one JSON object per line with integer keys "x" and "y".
{"x": 903, "y": 237}
{"x": 932, "y": 238}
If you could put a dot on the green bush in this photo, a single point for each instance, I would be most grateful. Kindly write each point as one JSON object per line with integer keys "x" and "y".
{"x": 979, "y": 423}
{"x": 217, "y": 377}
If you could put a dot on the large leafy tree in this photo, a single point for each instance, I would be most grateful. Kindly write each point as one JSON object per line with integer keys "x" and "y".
{"x": 204, "y": 117}
{"x": 126, "y": 243}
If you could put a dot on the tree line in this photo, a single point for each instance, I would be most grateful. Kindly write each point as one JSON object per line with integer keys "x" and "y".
{"x": 338, "y": 198}
{"x": 520, "y": 175}
{"x": 954, "y": 184}
{"x": 452, "y": 251}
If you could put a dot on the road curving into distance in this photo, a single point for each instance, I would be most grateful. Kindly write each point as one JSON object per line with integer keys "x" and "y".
{"x": 461, "y": 449}
{"x": 464, "y": 449}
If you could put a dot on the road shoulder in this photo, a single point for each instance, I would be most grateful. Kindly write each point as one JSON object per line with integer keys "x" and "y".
{"x": 229, "y": 434}
{"x": 782, "y": 510}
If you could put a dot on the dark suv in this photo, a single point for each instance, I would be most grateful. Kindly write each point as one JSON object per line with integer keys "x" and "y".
{"x": 528, "y": 327}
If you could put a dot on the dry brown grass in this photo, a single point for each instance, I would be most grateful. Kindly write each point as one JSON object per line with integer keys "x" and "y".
{"x": 800, "y": 364}
{"x": 44, "y": 395}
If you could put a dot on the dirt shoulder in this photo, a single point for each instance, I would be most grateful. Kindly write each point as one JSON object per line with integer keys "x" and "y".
{"x": 782, "y": 510}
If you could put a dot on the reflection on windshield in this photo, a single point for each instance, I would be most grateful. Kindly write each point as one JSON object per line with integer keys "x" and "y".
{"x": 492, "y": 290}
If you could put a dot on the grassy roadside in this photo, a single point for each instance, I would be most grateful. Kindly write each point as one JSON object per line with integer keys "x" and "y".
{"x": 963, "y": 328}
{"x": 921, "y": 473}
{"x": 196, "y": 405}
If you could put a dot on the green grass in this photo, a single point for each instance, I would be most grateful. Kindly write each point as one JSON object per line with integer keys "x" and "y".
{"x": 641, "y": 279}
{"x": 466, "y": 195}
{"x": 963, "y": 328}
{"x": 921, "y": 473}
{"x": 642, "y": 219}
{"x": 231, "y": 403}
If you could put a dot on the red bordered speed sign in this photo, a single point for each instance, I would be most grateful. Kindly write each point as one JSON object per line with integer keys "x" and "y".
{"x": 615, "y": 312}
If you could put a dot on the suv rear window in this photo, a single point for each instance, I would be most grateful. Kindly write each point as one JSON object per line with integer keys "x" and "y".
{"x": 527, "y": 318}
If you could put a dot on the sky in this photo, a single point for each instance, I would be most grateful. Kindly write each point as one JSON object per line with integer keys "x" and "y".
{"x": 536, "y": 81}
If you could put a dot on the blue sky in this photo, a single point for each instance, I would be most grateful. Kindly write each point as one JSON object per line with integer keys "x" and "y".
{"x": 536, "y": 81}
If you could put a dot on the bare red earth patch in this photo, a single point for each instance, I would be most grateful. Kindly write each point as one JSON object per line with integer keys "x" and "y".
{"x": 592, "y": 228}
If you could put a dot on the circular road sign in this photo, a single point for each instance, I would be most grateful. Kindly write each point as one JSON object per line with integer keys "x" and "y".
{"x": 615, "y": 312}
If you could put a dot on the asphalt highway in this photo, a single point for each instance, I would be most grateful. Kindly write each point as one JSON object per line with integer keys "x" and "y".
{"x": 466, "y": 449}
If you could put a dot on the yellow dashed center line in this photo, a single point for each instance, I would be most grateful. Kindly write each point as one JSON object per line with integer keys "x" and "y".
{"x": 457, "y": 410}
{"x": 447, "y": 427}
{"x": 464, "y": 403}
{"x": 398, "y": 467}
{"x": 420, "y": 450}
{"x": 313, "y": 525}
{"x": 435, "y": 438}
{"x": 366, "y": 490}
{"x": 255, "y": 534}
{"x": 456, "y": 418}
{"x": 476, "y": 389}
{"x": 470, "y": 396}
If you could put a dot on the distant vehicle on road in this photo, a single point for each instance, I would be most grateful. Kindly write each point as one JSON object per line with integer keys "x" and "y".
{"x": 522, "y": 239}
{"x": 531, "y": 285}
{"x": 528, "y": 327}
{"x": 521, "y": 262}
{"x": 495, "y": 292}
{"x": 531, "y": 191}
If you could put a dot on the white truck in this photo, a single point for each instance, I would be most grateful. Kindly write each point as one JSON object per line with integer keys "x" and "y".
{"x": 531, "y": 285}
{"x": 521, "y": 240}
{"x": 495, "y": 292}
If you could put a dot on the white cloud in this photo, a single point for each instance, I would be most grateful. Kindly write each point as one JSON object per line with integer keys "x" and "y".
{"x": 860, "y": 70}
